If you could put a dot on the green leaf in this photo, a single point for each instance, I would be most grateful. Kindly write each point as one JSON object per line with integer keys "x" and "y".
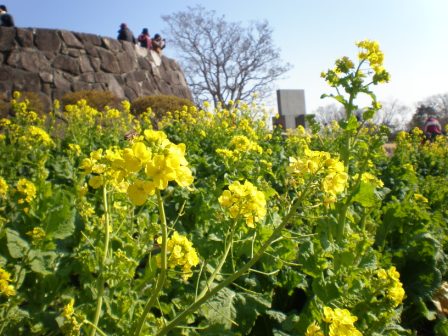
{"x": 17, "y": 246}
{"x": 60, "y": 221}
{"x": 352, "y": 124}
{"x": 43, "y": 262}
{"x": 366, "y": 195}
{"x": 235, "y": 310}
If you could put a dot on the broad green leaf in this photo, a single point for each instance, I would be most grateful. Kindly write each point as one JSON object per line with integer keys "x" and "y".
{"x": 17, "y": 246}
{"x": 43, "y": 262}
{"x": 60, "y": 221}
{"x": 234, "y": 310}
{"x": 352, "y": 124}
{"x": 366, "y": 195}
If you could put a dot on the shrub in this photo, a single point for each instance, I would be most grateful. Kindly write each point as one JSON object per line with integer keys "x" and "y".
{"x": 95, "y": 98}
{"x": 35, "y": 103}
{"x": 159, "y": 105}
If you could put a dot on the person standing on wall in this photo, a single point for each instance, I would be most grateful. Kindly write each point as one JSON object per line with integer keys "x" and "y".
{"x": 125, "y": 34}
{"x": 6, "y": 19}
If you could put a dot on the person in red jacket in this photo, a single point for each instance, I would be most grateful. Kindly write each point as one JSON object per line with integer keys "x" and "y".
{"x": 144, "y": 39}
{"x": 432, "y": 128}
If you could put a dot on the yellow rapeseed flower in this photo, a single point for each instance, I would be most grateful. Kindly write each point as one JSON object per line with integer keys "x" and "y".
{"x": 139, "y": 191}
{"x": 244, "y": 200}
{"x": 3, "y": 188}
{"x": 96, "y": 181}
{"x": 180, "y": 253}
{"x": 417, "y": 197}
{"x": 5, "y": 287}
{"x": 27, "y": 189}
{"x": 314, "y": 330}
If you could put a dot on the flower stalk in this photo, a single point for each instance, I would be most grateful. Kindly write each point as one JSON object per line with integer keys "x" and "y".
{"x": 100, "y": 281}
{"x": 163, "y": 269}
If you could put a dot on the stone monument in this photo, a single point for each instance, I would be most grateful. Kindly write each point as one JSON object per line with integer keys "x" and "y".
{"x": 291, "y": 108}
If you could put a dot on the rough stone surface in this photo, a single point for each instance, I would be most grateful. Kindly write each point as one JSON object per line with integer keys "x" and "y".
{"x": 55, "y": 62}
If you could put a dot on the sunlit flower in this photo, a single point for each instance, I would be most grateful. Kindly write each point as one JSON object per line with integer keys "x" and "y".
{"x": 139, "y": 191}
{"x": 5, "y": 287}
{"x": 27, "y": 189}
{"x": 244, "y": 200}
{"x": 3, "y": 187}
{"x": 180, "y": 253}
{"x": 314, "y": 330}
{"x": 420, "y": 198}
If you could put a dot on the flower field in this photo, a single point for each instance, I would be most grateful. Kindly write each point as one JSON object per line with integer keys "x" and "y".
{"x": 214, "y": 224}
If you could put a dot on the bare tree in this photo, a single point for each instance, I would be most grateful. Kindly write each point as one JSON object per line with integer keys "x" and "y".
{"x": 393, "y": 114}
{"x": 326, "y": 114}
{"x": 223, "y": 60}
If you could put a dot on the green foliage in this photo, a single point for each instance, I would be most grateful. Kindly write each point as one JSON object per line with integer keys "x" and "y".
{"x": 217, "y": 225}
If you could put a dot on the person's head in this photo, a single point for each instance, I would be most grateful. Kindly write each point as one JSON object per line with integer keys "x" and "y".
{"x": 3, "y": 8}
{"x": 145, "y": 31}
{"x": 123, "y": 26}
{"x": 157, "y": 37}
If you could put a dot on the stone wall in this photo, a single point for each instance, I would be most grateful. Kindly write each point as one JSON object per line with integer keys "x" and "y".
{"x": 54, "y": 62}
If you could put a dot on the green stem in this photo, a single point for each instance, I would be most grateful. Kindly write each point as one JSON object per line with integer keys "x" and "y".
{"x": 162, "y": 275}
{"x": 102, "y": 333}
{"x": 229, "y": 243}
{"x": 200, "y": 300}
{"x": 100, "y": 281}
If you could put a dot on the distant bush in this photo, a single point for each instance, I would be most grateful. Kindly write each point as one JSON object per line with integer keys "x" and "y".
{"x": 159, "y": 105}
{"x": 35, "y": 103}
{"x": 95, "y": 98}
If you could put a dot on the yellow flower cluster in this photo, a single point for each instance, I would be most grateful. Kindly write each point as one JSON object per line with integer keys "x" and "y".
{"x": 38, "y": 135}
{"x": 370, "y": 179}
{"x": 71, "y": 325}
{"x": 370, "y": 51}
{"x": 391, "y": 280}
{"x": 81, "y": 111}
{"x": 161, "y": 160}
{"x": 243, "y": 144}
{"x": 244, "y": 200}
{"x": 37, "y": 234}
{"x": 239, "y": 145}
{"x": 5, "y": 287}
{"x": 3, "y": 188}
{"x": 180, "y": 253}
{"x": 344, "y": 67}
{"x": 75, "y": 149}
{"x": 27, "y": 189}
{"x": 320, "y": 164}
{"x": 314, "y": 330}
{"x": 341, "y": 322}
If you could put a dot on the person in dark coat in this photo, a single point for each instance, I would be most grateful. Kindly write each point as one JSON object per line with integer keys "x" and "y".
{"x": 145, "y": 39}
{"x": 6, "y": 19}
{"x": 125, "y": 34}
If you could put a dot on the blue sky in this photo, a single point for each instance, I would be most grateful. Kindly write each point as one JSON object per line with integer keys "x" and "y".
{"x": 310, "y": 34}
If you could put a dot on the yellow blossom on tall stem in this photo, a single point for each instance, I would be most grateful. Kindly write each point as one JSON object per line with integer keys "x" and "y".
{"x": 180, "y": 253}
{"x": 244, "y": 200}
